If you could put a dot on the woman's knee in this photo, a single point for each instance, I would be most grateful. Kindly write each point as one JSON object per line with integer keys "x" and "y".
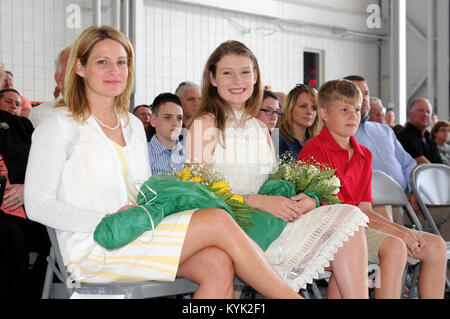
{"x": 220, "y": 264}
{"x": 214, "y": 219}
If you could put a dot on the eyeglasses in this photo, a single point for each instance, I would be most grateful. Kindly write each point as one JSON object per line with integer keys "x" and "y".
{"x": 270, "y": 112}
{"x": 383, "y": 111}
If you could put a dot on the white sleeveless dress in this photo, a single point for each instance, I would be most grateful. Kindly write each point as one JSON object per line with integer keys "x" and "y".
{"x": 306, "y": 246}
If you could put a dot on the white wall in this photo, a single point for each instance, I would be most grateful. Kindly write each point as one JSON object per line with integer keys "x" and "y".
{"x": 180, "y": 37}
{"x": 32, "y": 32}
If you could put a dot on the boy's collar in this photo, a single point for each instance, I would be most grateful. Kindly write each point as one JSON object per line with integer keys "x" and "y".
{"x": 334, "y": 146}
{"x": 159, "y": 147}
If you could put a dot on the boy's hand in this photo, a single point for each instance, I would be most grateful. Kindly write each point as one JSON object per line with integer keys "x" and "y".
{"x": 414, "y": 242}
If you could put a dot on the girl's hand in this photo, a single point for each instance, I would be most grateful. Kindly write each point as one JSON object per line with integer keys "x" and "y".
{"x": 305, "y": 203}
{"x": 288, "y": 209}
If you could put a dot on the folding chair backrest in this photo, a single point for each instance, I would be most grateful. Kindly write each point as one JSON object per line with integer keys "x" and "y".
{"x": 430, "y": 185}
{"x": 386, "y": 191}
{"x": 432, "y": 182}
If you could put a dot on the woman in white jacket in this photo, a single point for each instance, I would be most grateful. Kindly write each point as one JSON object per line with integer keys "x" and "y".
{"x": 89, "y": 158}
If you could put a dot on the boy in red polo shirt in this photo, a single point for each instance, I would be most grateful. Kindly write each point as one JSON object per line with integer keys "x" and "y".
{"x": 389, "y": 244}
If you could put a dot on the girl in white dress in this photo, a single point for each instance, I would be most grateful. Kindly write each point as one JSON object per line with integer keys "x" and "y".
{"x": 88, "y": 159}
{"x": 225, "y": 133}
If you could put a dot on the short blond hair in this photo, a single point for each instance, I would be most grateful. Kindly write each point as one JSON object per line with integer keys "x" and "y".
{"x": 338, "y": 90}
{"x": 74, "y": 87}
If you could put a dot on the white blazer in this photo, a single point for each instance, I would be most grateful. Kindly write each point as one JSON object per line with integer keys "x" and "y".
{"x": 74, "y": 177}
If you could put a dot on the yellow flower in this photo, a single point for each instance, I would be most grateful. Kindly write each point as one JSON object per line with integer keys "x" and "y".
{"x": 221, "y": 188}
{"x": 197, "y": 179}
{"x": 238, "y": 198}
{"x": 184, "y": 174}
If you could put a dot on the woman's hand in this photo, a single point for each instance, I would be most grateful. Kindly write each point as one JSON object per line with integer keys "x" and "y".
{"x": 13, "y": 197}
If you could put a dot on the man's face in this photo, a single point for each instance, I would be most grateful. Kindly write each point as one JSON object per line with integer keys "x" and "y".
{"x": 11, "y": 102}
{"x": 365, "y": 94}
{"x": 144, "y": 114}
{"x": 420, "y": 114}
{"x": 190, "y": 102}
{"x": 60, "y": 76}
{"x": 9, "y": 82}
{"x": 377, "y": 112}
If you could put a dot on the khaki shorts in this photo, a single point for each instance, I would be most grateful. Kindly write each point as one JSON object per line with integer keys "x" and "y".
{"x": 375, "y": 239}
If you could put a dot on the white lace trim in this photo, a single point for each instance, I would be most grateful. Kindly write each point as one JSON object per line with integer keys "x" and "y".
{"x": 306, "y": 246}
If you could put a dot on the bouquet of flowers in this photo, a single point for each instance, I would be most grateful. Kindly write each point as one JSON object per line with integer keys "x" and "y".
{"x": 309, "y": 177}
{"x": 163, "y": 195}
{"x": 213, "y": 181}
{"x": 199, "y": 186}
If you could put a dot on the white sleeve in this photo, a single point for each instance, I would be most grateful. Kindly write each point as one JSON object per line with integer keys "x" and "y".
{"x": 50, "y": 147}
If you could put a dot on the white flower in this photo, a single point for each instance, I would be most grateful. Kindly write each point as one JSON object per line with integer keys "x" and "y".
{"x": 312, "y": 170}
{"x": 334, "y": 180}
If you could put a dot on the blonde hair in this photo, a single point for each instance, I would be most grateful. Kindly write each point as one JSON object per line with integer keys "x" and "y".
{"x": 211, "y": 102}
{"x": 338, "y": 90}
{"x": 74, "y": 87}
{"x": 286, "y": 126}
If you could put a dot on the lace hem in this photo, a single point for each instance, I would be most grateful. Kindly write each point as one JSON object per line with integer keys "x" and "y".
{"x": 306, "y": 246}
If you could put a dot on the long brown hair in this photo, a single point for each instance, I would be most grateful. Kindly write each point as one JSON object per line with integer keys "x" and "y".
{"x": 286, "y": 126}
{"x": 211, "y": 102}
{"x": 74, "y": 87}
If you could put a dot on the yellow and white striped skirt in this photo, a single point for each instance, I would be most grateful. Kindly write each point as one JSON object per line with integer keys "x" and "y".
{"x": 154, "y": 255}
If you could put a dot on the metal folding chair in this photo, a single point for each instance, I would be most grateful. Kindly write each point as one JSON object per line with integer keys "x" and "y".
{"x": 386, "y": 191}
{"x": 431, "y": 186}
{"x": 129, "y": 290}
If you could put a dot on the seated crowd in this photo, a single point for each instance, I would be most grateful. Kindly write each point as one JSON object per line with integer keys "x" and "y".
{"x": 339, "y": 124}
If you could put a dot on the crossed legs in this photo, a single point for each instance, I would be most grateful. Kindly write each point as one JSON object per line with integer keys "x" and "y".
{"x": 214, "y": 228}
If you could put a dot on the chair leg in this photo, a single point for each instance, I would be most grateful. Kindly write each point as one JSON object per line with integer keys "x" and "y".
{"x": 48, "y": 277}
{"x": 316, "y": 291}
{"x": 414, "y": 281}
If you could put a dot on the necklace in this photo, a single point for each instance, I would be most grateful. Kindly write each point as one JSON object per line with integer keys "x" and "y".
{"x": 107, "y": 126}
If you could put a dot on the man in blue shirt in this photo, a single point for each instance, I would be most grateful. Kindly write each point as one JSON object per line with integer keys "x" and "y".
{"x": 388, "y": 154}
{"x": 166, "y": 153}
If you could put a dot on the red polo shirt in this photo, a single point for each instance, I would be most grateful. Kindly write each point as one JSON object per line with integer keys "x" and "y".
{"x": 355, "y": 175}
